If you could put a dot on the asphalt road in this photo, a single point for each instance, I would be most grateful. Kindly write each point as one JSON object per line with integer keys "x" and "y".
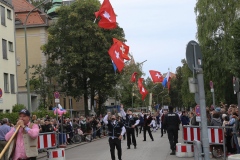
{"x": 158, "y": 149}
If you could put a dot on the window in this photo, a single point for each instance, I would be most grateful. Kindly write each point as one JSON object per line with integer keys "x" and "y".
{"x": 4, "y": 48}
{"x": 3, "y": 16}
{"x": 112, "y": 104}
{"x": 9, "y": 14}
{"x": 10, "y": 46}
{"x": 1, "y": 111}
{"x": 12, "y": 82}
{"x": 7, "y": 111}
{"x": 6, "y": 83}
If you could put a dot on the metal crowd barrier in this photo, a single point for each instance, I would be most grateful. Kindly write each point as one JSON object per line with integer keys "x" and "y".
{"x": 47, "y": 140}
{"x": 215, "y": 135}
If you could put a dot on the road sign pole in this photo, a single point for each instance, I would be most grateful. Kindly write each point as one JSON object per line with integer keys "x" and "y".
{"x": 194, "y": 57}
{"x": 204, "y": 132}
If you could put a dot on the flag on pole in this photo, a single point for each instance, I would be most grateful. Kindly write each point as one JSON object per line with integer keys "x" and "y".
{"x": 124, "y": 48}
{"x": 107, "y": 15}
{"x": 143, "y": 92}
{"x": 114, "y": 53}
{"x": 142, "y": 89}
{"x": 133, "y": 78}
{"x": 166, "y": 81}
{"x": 156, "y": 76}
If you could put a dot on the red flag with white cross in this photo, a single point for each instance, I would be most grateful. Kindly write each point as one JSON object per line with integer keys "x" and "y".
{"x": 156, "y": 76}
{"x": 115, "y": 54}
{"x": 107, "y": 15}
{"x": 124, "y": 48}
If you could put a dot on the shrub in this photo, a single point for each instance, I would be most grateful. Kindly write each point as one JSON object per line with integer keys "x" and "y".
{"x": 17, "y": 107}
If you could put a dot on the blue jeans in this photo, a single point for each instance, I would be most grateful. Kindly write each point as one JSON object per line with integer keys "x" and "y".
{"x": 235, "y": 139}
{"x": 94, "y": 133}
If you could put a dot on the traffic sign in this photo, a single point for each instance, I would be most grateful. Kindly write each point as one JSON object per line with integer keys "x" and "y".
{"x": 197, "y": 110}
{"x": 56, "y": 95}
{"x": 0, "y": 92}
{"x": 211, "y": 84}
{"x": 193, "y": 55}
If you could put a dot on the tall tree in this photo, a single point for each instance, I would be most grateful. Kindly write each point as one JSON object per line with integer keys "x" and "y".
{"x": 78, "y": 51}
{"x": 187, "y": 97}
{"x": 214, "y": 22}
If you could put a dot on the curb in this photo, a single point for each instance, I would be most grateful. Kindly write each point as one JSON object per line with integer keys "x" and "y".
{"x": 73, "y": 146}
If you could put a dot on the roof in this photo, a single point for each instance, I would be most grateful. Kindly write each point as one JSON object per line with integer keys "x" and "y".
{"x": 22, "y": 8}
{"x": 172, "y": 75}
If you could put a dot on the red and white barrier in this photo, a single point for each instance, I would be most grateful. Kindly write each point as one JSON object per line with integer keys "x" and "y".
{"x": 184, "y": 150}
{"x": 47, "y": 140}
{"x": 190, "y": 134}
{"x": 56, "y": 154}
{"x": 215, "y": 135}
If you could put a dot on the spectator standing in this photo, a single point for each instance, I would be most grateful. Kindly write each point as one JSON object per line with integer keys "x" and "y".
{"x": 184, "y": 118}
{"x": 4, "y": 129}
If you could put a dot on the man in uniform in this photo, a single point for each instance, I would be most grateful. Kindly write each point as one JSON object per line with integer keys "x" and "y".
{"x": 130, "y": 123}
{"x": 116, "y": 130}
{"x": 26, "y": 138}
{"x": 171, "y": 122}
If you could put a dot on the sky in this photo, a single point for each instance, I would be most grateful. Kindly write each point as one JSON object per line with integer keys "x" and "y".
{"x": 157, "y": 31}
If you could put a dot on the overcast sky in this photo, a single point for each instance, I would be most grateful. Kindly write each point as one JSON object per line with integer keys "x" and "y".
{"x": 157, "y": 30}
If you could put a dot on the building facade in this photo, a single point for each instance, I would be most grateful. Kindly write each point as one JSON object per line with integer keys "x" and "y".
{"x": 8, "y": 85}
{"x": 37, "y": 24}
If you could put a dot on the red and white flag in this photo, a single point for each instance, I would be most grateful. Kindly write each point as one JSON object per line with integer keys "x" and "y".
{"x": 143, "y": 92}
{"x": 115, "y": 54}
{"x": 124, "y": 48}
{"x": 142, "y": 89}
{"x": 156, "y": 76}
{"x": 133, "y": 78}
{"x": 108, "y": 17}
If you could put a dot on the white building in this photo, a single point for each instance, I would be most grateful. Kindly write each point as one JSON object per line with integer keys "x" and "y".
{"x": 8, "y": 89}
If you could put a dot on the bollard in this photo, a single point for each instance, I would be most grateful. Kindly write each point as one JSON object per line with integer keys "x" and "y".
{"x": 197, "y": 150}
{"x": 184, "y": 150}
{"x": 56, "y": 154}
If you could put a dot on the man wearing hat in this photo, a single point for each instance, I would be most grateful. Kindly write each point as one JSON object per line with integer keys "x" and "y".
{"x": 26, "y": 138}
{"x": 130, "y": 123}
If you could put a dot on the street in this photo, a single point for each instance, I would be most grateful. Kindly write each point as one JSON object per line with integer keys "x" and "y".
{"x": 148, "y": 150}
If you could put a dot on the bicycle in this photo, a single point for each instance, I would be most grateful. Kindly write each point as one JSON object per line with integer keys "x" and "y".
{"x": 76, "y": 137}
{"x": 217, "y": 152}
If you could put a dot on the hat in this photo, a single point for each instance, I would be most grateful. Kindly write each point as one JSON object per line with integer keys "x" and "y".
{"x": 24, "y": 111}
{"x": 223, "y": 116}
{"x": 218, "y": 109}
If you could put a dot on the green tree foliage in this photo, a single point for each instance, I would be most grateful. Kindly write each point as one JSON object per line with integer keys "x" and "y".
{"x": 17, "y": 108}
{"x": 41, "y": 85}
{"x": 78, "y": 52}
{"x": 187, "y": 97}
{"x": 126, "y": 88}
{"x": 175, "y": 89}
{"x": 214, "y": 22}
{"x": 45, "y": 6}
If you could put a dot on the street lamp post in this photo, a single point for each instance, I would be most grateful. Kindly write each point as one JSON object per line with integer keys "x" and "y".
{"x": 26, "y": 53}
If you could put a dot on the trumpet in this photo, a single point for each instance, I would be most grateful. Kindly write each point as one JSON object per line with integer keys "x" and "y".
{"x": 9, "y": 142}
